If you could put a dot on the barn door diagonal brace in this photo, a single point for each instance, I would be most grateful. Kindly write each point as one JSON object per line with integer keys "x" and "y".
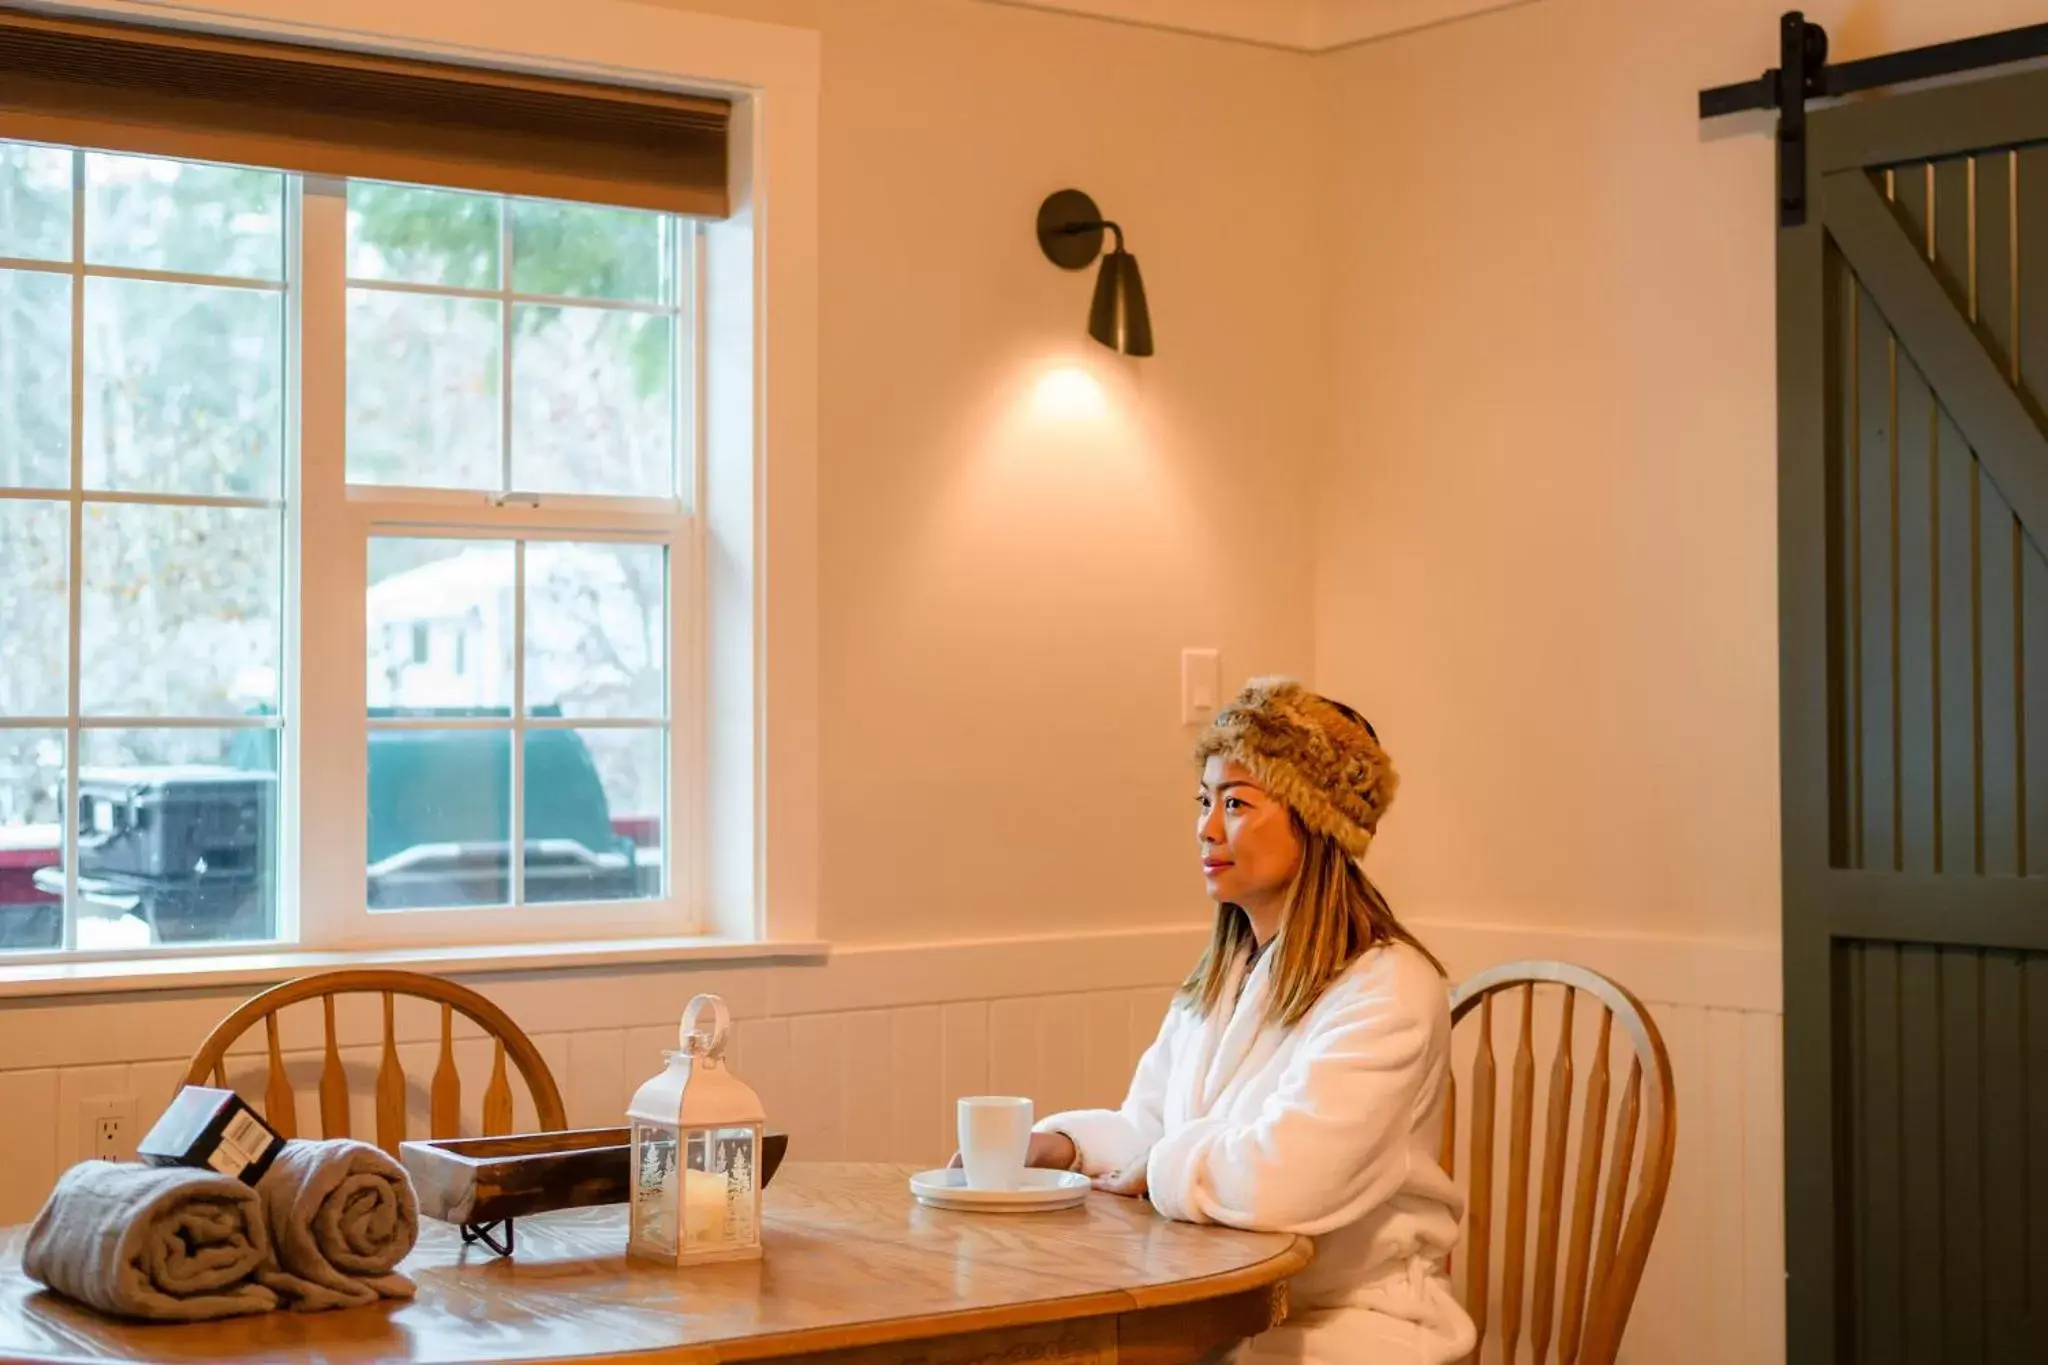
{"x": 1803, "y": 74}
{"x": 1991, "y": 415}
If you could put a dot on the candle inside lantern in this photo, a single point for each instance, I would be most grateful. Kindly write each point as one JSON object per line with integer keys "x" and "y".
{"x": 704, "y": 1207}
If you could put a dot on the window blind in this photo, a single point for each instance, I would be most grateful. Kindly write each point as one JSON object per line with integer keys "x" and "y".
{"x": 319, "y": 111}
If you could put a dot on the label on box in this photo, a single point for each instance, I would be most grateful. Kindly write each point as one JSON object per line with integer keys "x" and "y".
{"x": 214, "y": 1129}
{"x": 242, "y": 1144}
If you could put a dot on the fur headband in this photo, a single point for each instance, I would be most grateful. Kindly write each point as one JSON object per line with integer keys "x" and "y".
{"x": 1320, "y": 760}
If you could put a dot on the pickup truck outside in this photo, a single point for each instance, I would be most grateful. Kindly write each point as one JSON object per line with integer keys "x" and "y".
{"x": 189, "y": 850}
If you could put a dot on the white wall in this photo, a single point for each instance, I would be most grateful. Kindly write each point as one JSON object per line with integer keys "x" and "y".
{"x": 1009, "y": 570}
{"x": 1548, "y": 546}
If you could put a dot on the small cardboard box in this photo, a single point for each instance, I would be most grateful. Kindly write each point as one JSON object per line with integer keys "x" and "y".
{"x": 213, "y": 1130}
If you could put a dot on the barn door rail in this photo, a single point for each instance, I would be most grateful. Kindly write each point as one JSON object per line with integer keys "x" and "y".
{"x": 1803, "y": 74}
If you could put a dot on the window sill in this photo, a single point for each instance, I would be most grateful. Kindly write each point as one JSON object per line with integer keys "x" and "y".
{"x": 261, "y": 968}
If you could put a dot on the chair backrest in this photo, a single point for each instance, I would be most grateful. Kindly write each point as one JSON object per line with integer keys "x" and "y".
{"x": 1603, "y": 1257}
{"x": 280, "y": 1108}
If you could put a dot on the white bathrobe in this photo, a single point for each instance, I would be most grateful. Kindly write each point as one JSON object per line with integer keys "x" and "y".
{"x": 1328, "y": 1128}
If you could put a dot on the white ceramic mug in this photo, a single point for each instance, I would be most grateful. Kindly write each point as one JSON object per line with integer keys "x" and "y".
{"x": 995, "y": 1133}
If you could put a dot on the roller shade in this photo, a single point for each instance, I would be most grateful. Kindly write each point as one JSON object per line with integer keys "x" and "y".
{"x": 317, "y": 111}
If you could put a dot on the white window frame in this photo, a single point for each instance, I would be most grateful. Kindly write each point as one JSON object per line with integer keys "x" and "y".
{"x": 754, "y": 858}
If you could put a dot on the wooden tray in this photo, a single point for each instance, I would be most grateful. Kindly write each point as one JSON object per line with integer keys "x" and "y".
{"x": 475, "y": 1181}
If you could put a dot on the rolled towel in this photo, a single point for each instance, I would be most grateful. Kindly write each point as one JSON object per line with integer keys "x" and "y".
{"x": 342, "y": 1215}
{"x": 164, "y": 1243}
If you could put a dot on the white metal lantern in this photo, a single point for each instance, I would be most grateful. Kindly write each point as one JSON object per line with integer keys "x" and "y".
{"x": 696, "y": 1151}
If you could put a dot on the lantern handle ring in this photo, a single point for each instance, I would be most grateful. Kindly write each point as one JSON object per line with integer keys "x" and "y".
{"x": 707, "y": 1043}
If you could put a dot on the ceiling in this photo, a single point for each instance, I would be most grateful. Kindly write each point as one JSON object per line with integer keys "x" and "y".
{"x": 1299, "y": 25}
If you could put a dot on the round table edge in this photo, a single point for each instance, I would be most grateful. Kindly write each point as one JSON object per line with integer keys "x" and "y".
{"x": 1281, "y": 1266}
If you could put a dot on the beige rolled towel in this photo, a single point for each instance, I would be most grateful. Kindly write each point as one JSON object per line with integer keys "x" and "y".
{"x": 342, "y": 1215}
{"x": 170, "y": 1244}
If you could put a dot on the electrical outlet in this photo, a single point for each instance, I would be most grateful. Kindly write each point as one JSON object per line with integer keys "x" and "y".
{"x": 106, "y": 1128}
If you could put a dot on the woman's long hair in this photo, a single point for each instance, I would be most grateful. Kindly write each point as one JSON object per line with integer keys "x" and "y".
{"x": 1334, "y": 915}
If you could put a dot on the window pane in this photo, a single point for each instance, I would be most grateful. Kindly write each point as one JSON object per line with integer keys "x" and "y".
{"x": 594, "y": 808}
{"x": 35, "y": 202}
{"x": 422, "y": 236}
{"x": 440, "y": 623}
{"x": 591, "y": 401}
{"x": 423, "y": 378}
{"x": 35, "y": 379}
{"x": 31, "y": 839}
{"x": 440, "y": 818}
{"x": 181, "y": 612}
{"x": 35, "y": 604}
{"x": 177, "y": 836}
{"x": 183, "y": 388}
{"x": 595, "y": 637}
{"x": 149, "y": 214}
{"x": 589, "y": 252}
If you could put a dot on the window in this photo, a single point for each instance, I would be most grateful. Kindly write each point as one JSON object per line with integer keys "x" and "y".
{"x": 142, "y": 542}
{"x": 241, "y": 409}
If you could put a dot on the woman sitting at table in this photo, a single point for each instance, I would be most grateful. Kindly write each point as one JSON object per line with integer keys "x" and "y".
{"x": 1298, "y": 1082}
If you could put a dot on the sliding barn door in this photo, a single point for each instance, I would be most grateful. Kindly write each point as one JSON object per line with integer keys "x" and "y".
{"x": 1913, "y": 357}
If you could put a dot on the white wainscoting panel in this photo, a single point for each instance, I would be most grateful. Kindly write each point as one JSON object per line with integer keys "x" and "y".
{"x": 860, "y": 1057}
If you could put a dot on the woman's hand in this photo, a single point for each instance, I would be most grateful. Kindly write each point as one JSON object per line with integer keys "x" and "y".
{"x": 1048, "y": 1151}
{"x": 1129, "y": 1182}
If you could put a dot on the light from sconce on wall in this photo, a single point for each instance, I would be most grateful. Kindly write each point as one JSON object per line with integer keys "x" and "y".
{"x": 1069, "y": 393}
{"x": 1070, "y": 230}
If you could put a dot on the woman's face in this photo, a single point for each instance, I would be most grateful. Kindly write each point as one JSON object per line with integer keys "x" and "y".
{"x": 1250, "y": 850}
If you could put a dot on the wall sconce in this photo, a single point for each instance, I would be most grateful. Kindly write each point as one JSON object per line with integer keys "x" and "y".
{"x": 1070, "y": 231}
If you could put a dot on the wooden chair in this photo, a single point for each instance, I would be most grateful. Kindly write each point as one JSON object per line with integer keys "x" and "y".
{"x": 445, "y": 1092}
{"x": 1619, "y": 1244}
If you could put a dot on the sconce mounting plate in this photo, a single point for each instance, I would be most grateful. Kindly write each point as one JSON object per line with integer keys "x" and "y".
{"x": 1064, "y": 247}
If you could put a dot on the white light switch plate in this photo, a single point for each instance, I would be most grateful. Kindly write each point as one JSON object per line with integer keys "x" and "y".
{"x": 1201, "y": 680}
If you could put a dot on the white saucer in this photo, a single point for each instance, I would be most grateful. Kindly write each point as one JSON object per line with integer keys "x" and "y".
{"x": 1041, "y": 1192}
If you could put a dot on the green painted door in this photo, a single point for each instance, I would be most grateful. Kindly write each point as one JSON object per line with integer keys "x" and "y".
{"x": 1913, "y": 370}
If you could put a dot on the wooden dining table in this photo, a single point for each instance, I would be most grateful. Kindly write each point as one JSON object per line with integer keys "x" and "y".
{"x": 855, "y": 1272}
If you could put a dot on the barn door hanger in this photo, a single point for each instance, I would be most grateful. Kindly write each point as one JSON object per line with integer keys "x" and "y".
{"x": 1799, "y": 76}
{"x": 1802, "y": 58}
{"x": 1803, "y": 73}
